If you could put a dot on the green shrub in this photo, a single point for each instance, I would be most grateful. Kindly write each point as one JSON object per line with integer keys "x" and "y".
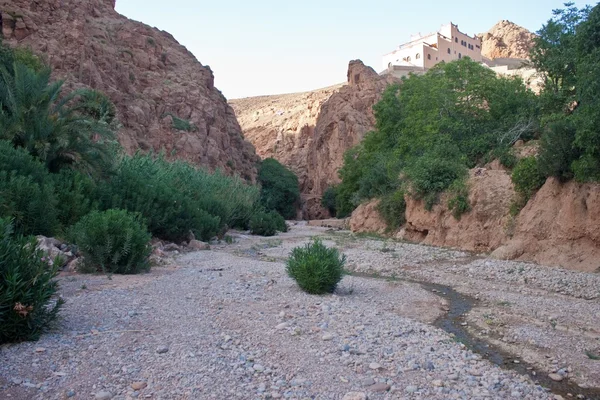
{"x": 316, "y": 268}
{"x": 328, "y": 200}
{"x": 28, "y": 302}
{"x": 392, "y": 208}
{"x": 557, "y": 150}
{"x": 112, "y": 241}
{"x": 459, "y": 198}
{"x": 431, "y": 174}
{"x": 267, "y": 223}
{"x": 76, "y": 194}
{"x": 527, "y": 177}
{"x": 26, "y": 192}
{"x": 279, "y": 188}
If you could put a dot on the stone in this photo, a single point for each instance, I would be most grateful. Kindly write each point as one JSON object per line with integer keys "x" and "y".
{"x": 40, "y": 349}
{"x": 162, "y": 349}
{"x": 375, "y": 365}
{"x": 138, "y": 385}
{"x": 198, "y": 245}
{"x": 258, "y": 368}
{"x": 103, "y": 395}
{"x": 437, "y": 383}
{"x": 411, "y": 389}
{"x": 379, "y": 387}
{"x": 355, "y": 396}
{"x": 282, "y": 326}
{"x": 327, "y": 336}
{"x": 556, "y": 377}
{"x": 367, "y": 382}
{"x": 70, "y": 393}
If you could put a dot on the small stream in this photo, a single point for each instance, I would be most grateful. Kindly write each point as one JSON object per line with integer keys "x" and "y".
{"x": 451, "y": 322}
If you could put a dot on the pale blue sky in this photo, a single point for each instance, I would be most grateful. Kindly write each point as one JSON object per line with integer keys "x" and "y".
{"x": 267, "y": 47}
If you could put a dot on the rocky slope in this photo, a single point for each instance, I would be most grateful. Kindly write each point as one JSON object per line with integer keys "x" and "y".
{"x": 506, "y": 40}
{"x": 147, "y": 74}
{"x": 559, "y": 225}
{"x": 309, "y": 132}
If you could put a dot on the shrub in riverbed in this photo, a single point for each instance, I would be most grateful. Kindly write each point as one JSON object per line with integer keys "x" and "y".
{"x": 28, "y": 302}
{"x": 113, "y": 241}
{"x": 267, "y": 223}
{"x": 316, "y": 268}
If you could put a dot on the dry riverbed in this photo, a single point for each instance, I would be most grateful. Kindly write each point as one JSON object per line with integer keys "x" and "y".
{"x": 229, "y": 324}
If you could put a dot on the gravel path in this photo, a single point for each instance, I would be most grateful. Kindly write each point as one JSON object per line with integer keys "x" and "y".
{"x": 229, "y": 324}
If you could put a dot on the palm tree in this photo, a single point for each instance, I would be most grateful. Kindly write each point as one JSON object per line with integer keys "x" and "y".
{"x": 75, "y": 131}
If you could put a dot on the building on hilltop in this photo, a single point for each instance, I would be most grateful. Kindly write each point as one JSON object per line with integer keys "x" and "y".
{"x": 423, "y": 52}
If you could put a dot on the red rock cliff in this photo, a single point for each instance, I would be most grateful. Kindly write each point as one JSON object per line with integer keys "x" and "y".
{"x": 146, "y": 73}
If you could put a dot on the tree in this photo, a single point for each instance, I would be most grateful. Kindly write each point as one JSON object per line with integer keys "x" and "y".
{"x": 279, "y": 188}
{"x": 74, "y": 131}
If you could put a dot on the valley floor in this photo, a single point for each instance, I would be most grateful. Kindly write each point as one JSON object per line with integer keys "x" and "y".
{"x": 229, "y": 324}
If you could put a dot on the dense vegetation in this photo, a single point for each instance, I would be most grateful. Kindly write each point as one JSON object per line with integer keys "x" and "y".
{"x": 62, "y": 173}
{"x": 430, "y": 129}
{"x": 316, "y": 268}
{"x": 279, "y": 188}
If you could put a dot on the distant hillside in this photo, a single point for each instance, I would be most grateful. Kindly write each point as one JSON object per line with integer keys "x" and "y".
{"x": 506, "y": 40}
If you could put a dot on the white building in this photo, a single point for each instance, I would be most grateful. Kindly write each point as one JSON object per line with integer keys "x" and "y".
{"x": 423, "y": 52}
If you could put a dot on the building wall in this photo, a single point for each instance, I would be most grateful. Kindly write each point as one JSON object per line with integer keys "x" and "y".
{"x": 448, "y": 44}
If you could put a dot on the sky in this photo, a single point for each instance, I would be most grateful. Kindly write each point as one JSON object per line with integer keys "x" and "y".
{"x": 265, "y": 47}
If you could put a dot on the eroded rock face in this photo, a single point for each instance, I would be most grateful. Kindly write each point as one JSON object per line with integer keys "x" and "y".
{"x": 559, "y": 226}
{"x": 146, "y": 73}
{"x": 482, "y": 229}
{"x": 309, "y": 132}
{"x": 506, "y": 40}
{"x": 366, "y": 218}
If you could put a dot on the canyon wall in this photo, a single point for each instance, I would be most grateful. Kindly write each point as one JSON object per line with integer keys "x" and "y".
{"x": 149, "y": 76}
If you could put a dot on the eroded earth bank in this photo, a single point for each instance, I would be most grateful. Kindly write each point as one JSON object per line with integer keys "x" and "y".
{"x": 229, "y": 324}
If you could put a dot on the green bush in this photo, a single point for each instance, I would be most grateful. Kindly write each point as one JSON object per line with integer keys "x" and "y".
{"x": 267, "y": 223}
{"x": 26, "y": 192}
{"x": 328, "y": 200}
{"x": 76, "y": 194}
{"x": 392, "y": 208}
{"x": 558, "y": 151}
{"x": 459, "y": 198}
{"x": 112, "y": 241}
{"x": 28, "y": 302}
{"x": 527, "y": 177}
{"x": 316, "y": 268}
{"x": 279, "y": 188}
{"x": 431, "y": 175}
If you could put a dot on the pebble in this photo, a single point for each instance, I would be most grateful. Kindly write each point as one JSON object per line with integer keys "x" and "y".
{"x": 103, "y": 395}
{"x": 379, "y": 387}
{"x": 411, "y": 389}
{"x": 327, "y": 336}
{"x": 355, "y": 396}
{"x": 281, "y": 326}
{"x": 70, "y": 393}
{"x": 375, "y": 365}
{"x": 367, "y": 382}
{"x": 162, "y": 349}
{"x": 40, "y": 349}
{"x": 556, "y": 377}
{"x": 138, "y": 385}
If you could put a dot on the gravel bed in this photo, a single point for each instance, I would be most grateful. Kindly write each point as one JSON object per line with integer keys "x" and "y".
{"x": 222, "y": 326}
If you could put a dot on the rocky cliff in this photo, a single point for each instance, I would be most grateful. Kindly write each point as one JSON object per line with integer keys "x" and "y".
{"x": 506, "y": 40}
{"x": 150, "y": 77}
{"x": 309, "y": 132}
{"x": 559, "y": 226}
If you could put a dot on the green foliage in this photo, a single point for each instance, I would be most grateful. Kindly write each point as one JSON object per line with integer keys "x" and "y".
{"x": 432, "y": 128}
{"x": 316, "y": 268}
{"x": 432, "y": 174}
{"x": 527, "y": 178}
{"x": 112, "y": 241}
{"x": 181, "y": 124}
{"x": 392, "y": 208}
{"x": 329, "y": 199}
{"x": 176, "y": 198}
{"x": 26, "y": 192}
{"x": 279, "y": 188}
{"x": 458, "y": 202}
{"x": 77, "y": 196}
{"x": 267, "y": 223}
{"x": 28, "y": 302}
{"x": 567, "y": 52}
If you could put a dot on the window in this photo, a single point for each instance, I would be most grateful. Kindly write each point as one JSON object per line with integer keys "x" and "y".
{"x": 429, "y": 56}
{"x": 418, "y": 56}
{"x": 459, "y": 56}
{"x": 456, "y": 39}
{"x": 408, "y": 58}
{"x": 448, "y": 51}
